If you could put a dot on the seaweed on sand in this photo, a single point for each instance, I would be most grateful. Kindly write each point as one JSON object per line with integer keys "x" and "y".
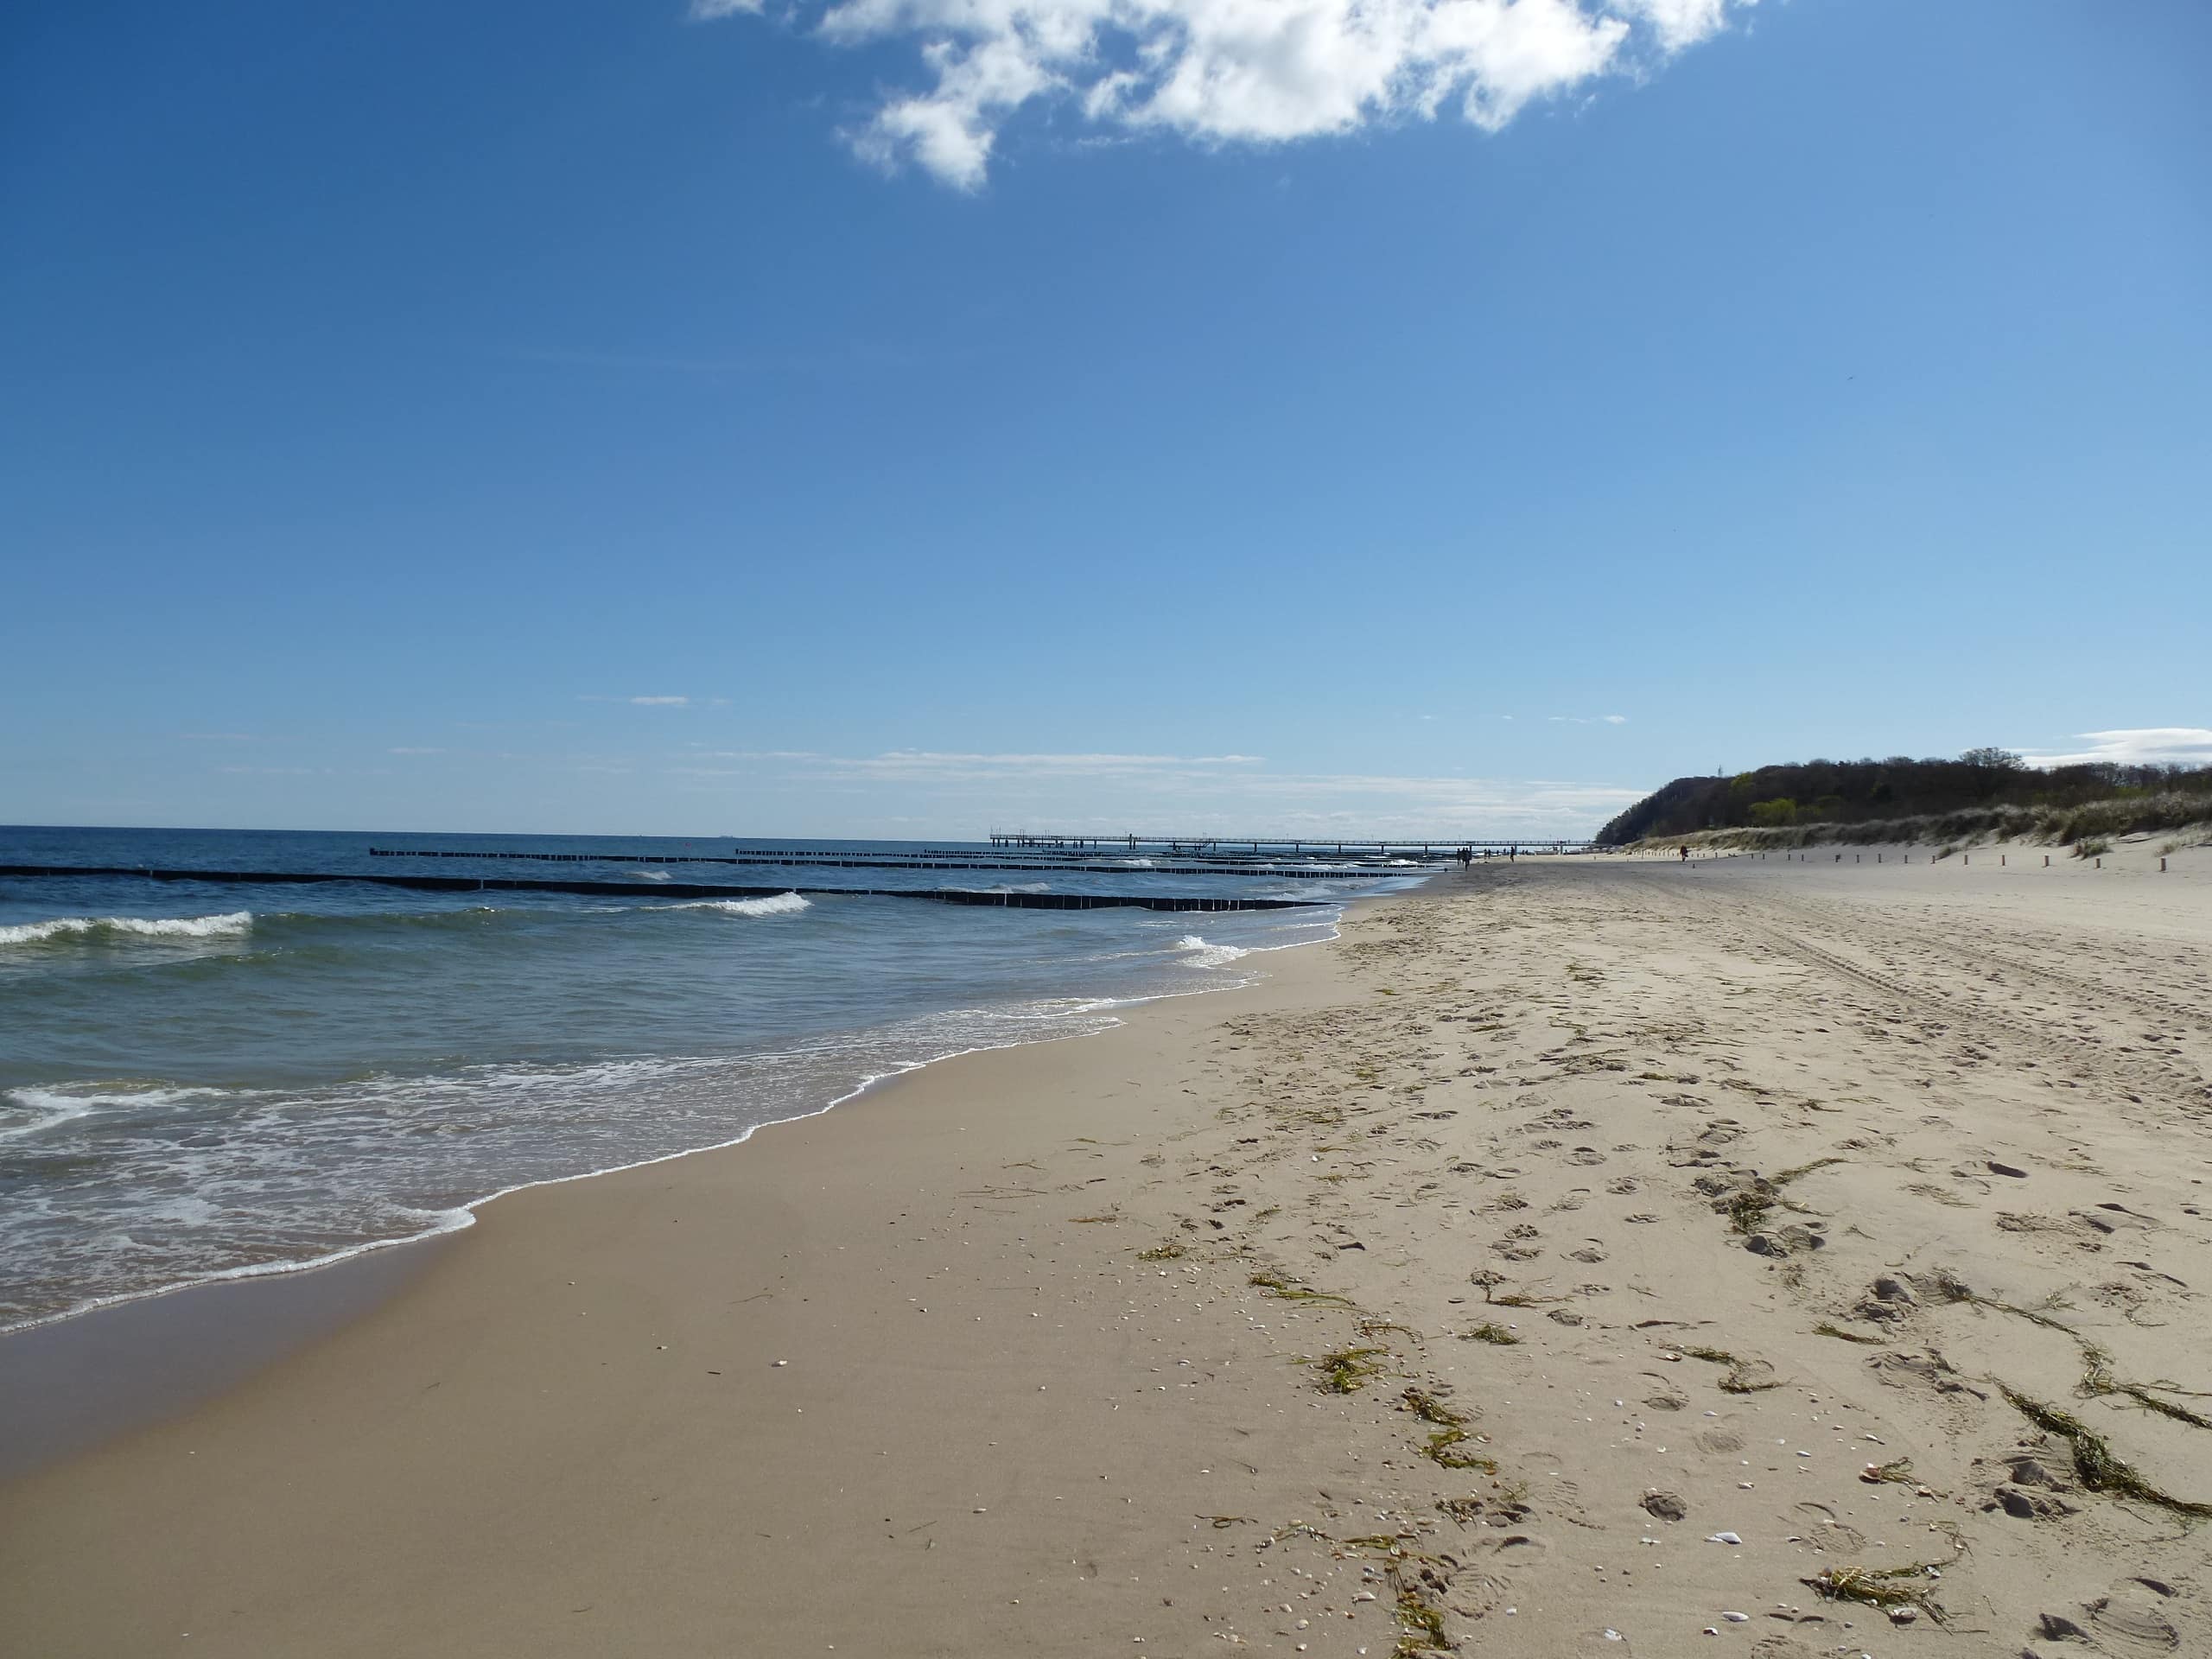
{"x": 1748, "y": 1207}
{"x": 2096, "y": 1465}
{"x": 1886, "y": 1587}
{"x": 1740, "y": 1378}
{"x": 1349, "y": 1370}
{"x": 1490, "y": 1332}
{"x": 1291, "y": 1291}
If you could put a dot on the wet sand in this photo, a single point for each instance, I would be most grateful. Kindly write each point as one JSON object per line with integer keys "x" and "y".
{"x": 1545, "y": 1268}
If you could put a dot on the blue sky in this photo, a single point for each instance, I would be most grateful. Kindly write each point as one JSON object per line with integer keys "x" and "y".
{"x": 926, "y": 415}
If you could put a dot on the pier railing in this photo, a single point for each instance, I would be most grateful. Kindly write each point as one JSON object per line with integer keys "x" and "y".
{"x": 1297, "y": 846}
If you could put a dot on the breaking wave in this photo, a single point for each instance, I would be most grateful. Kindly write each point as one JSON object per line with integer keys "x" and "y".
{"x": 149, "y": 927}
{"x": 1200, "y": 954}
{"x": 784, "y": 904}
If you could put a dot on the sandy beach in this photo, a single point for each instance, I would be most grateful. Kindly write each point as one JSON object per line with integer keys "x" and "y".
{"x": 1583, "y": 1256}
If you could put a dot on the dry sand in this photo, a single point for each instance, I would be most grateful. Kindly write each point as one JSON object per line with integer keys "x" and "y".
{"x": 1642, "y": 1209}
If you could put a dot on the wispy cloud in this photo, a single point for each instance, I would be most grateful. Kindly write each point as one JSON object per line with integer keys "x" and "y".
{"x": 1229, "y": 71}
{"x": 953, "y": 766}
{"x": 414, "y": 750}
{"x": 1224, "y": 794}
{"x": 1583, "y": 720}
{"x": 661, "y": 700}
{"x": 2136, "y": 746}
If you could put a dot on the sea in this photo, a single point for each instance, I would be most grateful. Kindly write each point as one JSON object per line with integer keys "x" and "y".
{"x": 204, "y": 1080}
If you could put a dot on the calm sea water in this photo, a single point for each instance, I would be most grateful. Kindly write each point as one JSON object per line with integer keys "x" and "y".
{"x": 199, "y": 1081}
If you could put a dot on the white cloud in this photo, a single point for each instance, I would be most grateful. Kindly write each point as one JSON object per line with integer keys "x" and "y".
{"x": 1586, "y": 720}
{"x": 1679, "y": 24}
{"x": 2135, "y": 747}
{"x": 661, "y": 702}
{"x": 1232, "y": 71}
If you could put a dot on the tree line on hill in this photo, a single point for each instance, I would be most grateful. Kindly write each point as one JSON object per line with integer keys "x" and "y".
{"x": 1984, "y": 790}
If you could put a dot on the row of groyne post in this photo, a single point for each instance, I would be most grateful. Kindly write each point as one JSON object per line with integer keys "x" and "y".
{"x": 831, "y": 862}
{"x": 659, "y": 890}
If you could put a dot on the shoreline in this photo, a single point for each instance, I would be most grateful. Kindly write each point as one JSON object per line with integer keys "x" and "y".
{"x": 492, "y": 1299}
{"x": 70, "y": 1381}
{"x": 1586, "y": 1257}
{"x": 460, "y": 1217}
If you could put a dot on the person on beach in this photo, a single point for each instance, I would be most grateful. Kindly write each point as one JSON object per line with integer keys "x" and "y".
{"x": 1685, "y": 852}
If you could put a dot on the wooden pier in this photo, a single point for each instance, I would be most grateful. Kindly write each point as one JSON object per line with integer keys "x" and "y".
{"x": 1294, "y": 846}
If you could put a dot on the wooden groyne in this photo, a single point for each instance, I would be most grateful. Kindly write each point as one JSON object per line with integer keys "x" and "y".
{"x": 981, "y": 862}
{"x": 660, "y": 890}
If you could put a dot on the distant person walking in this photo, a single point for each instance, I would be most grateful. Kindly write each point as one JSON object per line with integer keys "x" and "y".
{"x": 1685, "y": 852}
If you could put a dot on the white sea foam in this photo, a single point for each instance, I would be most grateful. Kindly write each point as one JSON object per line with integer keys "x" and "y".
{"x": 653, "y": 875}
{"x": 784, "y": 904}
{"x": 46, "y": 1108}
{"x": 152, "y": 927}
{"x": 49, "y": 1108}
{"x": 1200, "y": 954}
